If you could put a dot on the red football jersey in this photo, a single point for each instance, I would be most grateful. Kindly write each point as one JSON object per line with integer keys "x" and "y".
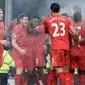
{"x": 39, "y": 39}
{"x": 82, "y": 33}
{"x": 20, "y": 35}
{"x": 58, "y": 27}
{"x": 1, "y": 30}
{"x": 1, "y": 38}
{"x": 82, "y": 30}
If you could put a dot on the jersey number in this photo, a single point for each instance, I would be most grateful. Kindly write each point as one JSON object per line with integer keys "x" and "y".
{"x": 56, "y": 34}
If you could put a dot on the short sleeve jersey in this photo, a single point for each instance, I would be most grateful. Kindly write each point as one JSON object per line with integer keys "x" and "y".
{"x": 1, "y": 35}
{"x": 58, "y": 27}
{"x": 20, "y": 34}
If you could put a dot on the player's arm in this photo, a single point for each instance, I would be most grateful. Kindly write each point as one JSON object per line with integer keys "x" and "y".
{"x": 15, "y": 45}
{"x": 4, "y": 42}
{"x": 72, "y": 29}
{"x": 45, "y": 26}
{"x": 15, "y": 37}
{"x": 81, "y": 39}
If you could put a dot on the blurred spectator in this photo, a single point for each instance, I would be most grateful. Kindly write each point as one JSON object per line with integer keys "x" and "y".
{"x": 7, "y": 63}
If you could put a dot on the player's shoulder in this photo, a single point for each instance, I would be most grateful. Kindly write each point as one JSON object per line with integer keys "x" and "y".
{"x": 1, "y": 25}
{"x": 17, "y": 28}
{"x": 48, "y": 18}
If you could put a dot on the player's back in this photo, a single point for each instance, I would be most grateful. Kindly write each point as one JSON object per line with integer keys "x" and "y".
{"x": 58, "y": 28}
{"x": 82, "y": 33}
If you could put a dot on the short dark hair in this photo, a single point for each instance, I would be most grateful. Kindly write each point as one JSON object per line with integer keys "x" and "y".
{"x": 1, "y": 9}
{"x": 64, "y": 14}
{"x": 77, "y": 17}
{"x": 21, "y": 17}
{"x": 77, "y": 8}
{"x": 55, "y": 7}
{"x": 35, "y": 16}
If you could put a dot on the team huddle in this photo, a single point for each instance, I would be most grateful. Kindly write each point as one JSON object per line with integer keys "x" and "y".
{"x": 60, "y": 36}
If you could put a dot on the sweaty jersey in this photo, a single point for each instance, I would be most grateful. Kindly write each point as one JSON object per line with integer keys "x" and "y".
{"x": 58, "y": 27}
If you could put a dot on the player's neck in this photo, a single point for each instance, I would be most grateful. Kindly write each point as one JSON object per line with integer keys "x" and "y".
{"x": 55, "y": 14}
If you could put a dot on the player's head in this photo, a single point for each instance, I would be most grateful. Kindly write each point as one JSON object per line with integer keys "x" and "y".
{"x": 77, "y": 17}
{"x": 74, "y": 9}
{"x": 55, "y": 7}
{"x": 22, "y": 19}
{"x": 77, "y": 8}
{"x": 1, "y": 14}
{"x": 35, "y": 20}
{"x": 64, "y": 14}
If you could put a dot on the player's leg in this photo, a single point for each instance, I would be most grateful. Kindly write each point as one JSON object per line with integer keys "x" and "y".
{"x": 52, "y": 77}
{"x": 30, "y": 68}
{"x": 19, "y": 68}
{"x": 74, "y": 57}
{"x": 82, "y": 79}
{"x": 81, "y": 64}
{"x": 55, "y": 61}
{"x": 39, "y": 63}
{"x": 58, "y": 60}
{"x": 69, "y": 77}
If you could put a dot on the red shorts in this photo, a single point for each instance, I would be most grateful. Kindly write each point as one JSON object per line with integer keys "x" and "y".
{"x": 60, "y": 58}
{"x": 17, "y": 59}
{"x": 78, "y": 57}
{"x": 39, "y": 59}
{"x": 29, "y": 61}
{"x": 25, "y": 62}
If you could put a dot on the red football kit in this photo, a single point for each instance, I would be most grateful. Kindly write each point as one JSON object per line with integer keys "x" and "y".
{"x": 78, "y": 54}
{"x": 1, "y": 38}
{"x": 58, "y": 27}
{"x": 20, "y": 34}
{"x": 36, "y": 47}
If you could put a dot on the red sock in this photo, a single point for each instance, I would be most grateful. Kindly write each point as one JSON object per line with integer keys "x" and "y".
{"x": 17, "y": 80}
{"x": 22, "y": 81}
{"x": 69, "y": 78}
{"x": 27, "y": 81}
{"x": 81, "y": 79}
{"x": 44, "y": 79}
{"x": 66, "y": 78}
{"x": 36, "y": 80}
{"x": 61, "y": 78}
{"x": 52, "y": 78}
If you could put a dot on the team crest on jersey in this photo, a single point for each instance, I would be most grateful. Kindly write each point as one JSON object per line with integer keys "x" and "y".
{"x": 13, "y": 35}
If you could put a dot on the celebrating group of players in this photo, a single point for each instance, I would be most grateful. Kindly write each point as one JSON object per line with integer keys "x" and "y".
{"x": 66, "y": 41}
{"x": 67, "y": 45}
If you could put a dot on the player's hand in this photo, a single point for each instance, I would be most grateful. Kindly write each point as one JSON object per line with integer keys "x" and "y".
{"x": 5, "y": 42}
{"x": 81, "y": 40}
{"x": 23, "y": 51}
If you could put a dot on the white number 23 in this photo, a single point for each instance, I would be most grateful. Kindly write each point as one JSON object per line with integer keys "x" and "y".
{"x": 56, "y": 34}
